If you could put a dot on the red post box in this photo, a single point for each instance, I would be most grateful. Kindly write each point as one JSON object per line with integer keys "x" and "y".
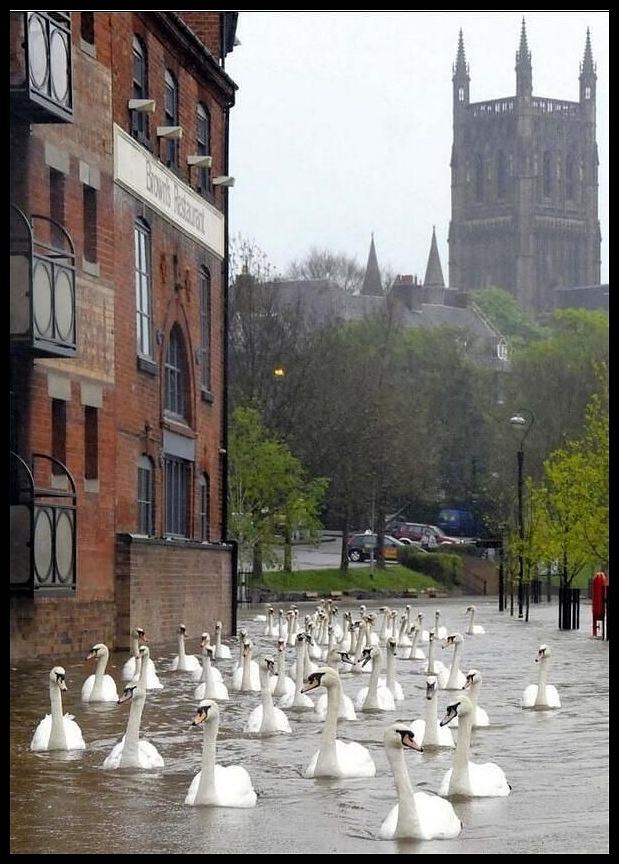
{"x": 598, "y": 592}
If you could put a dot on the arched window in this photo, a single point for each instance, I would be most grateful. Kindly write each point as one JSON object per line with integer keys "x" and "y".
{"x": 460, "y": 94}
{"x": 176, "y": 377}
{"x": 203, "y": 140}
{"x": 146, "y": 519}
{"x": 547, "y": 175}
{"x": 87, "y": 27}
{"x": 479, "y": 178}
{"x": 205, "y": 324}
{"x": 143, "y": 288}
{"x": 204, "y": 507}
{"x": 171, "y": 117}
{"x": 501, "y": 175}
{"x": 139, "y": 119}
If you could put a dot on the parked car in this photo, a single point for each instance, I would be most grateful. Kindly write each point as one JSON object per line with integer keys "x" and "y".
{"x": 430, "y": 536}
{"x": 361, "y": 547}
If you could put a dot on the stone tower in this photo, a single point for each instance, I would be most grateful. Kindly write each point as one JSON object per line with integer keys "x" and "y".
{"x": 372, "y": 285}
{"x": 524, "y": 187}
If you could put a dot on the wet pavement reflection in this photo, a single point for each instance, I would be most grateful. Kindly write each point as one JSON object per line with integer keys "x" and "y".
{"x": 555, "y": 761}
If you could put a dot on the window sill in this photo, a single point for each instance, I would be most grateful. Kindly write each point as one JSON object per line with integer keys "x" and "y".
{"x": 178, "y": 426}
{"x": 207, "y": 396}
{"x": 146, "y": 365}
{"x": 88, "y": 48}
{"x": 91, "y": 485}
{"x": 91, "y": 267}
{"x": 60, "y": 481}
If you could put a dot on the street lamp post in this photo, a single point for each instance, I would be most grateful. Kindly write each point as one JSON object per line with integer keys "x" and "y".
{"x": 526, "y": 423}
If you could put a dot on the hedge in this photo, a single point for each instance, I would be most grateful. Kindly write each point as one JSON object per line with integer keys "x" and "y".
{"x": 445, "y": 567}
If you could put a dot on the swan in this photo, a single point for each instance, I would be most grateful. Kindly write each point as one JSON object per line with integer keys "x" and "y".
{"x": 346, "y": 709}
{"x": 417, "y": 815}
{"x": 242, "y": 638}
{"x": 313, "y": 648}
{"x": 424, "y": 635}
{"x": 205, "y": 642}
{"x": 247, "y": 677}
{"x": 473, "y": 629}
{"x": 414, "y": 653}
{"x": 456, "y": 680}
{"x": 403, "y": 640}
{"x": 390, "y": 682}
{"x": 131, "y": 671}
{"x": 290, "y": 622}
{"x": 269, "y": 630}
{"x": 222, "y": 652}
{"x": 435, "y": 667}
{"x": 265, "y": 718}
{"x": 214, "y": 785}
{"x": 99, "y": 687}
{"x": 282, "y": 683}
{"x": 541, "y": 695}
{"x": 133, "y": 751}
{"x": 382, "y": 635}
{"x": 473, "y": 685}
{"x": 209, "y": 687}
{"x": 56, "y": 732}
{"x": 297, "y": 699}
{"x": 468, "y": 778}
{"x": 439, "y": 632}
{"x": 371, "y": 638}
{"x": 374, "y": 697}
{"x": 427, "y": 731}
{"x": 184, "y": 662}
{"x": 335, "y": 758}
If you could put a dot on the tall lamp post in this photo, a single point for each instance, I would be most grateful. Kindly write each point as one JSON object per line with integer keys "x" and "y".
{"x": 524, "y": 420}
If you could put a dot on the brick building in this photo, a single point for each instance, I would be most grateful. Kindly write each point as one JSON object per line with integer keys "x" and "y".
{"x": 119, "y": 184}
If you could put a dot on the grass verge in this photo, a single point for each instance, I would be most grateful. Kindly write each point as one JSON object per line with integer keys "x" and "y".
{"x": 394, "y": 578}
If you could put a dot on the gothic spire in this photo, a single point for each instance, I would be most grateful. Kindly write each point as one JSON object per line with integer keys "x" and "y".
{"x": 371, "y": 281}
{"x": 587, "y": 66}
{"x": 523, "y": 54}
{"x": 434, "y": 271}
{"x": 461, "y": 68}
{"x": 524, "y": 75}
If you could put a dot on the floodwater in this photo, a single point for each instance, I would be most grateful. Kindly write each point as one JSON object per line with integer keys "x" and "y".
{"x": 555, "y": 761}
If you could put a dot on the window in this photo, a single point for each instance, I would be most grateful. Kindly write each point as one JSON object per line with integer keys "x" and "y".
{"x": 205, "y": 323}
{"x": 91, "y": 443}
{"x": 59, "y": 433}
{"x": 176, "y": 378}
{"x": 203, "y": 138}
{"x": 87, "y": 27}
{"x": 145, "y": 496}
{"x": 139, "y": 120}
{"x": 501, "y": 175}
{"x": 203, "y": 514}
{"x": 479, "y": 178}
{"x": 569, "y": 177}
{"x": 90, "y": 223}
{"x": 171, "y": 117}
{"x": 142, "y": 288}
{"x": 57, "y": 205}
{"x": 547, "y": 175}
{"x": 587, "y": 92}
{"x": 460, "y": 94}
{"x": 176, "y": 490}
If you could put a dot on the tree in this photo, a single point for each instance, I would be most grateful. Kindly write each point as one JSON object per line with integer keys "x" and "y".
{"x": 508, "y": 316}
{"x": 268, "y": 490}
{"x": 336, "y": 267}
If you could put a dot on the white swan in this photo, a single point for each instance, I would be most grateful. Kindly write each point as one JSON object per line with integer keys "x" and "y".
{"x": 374, "y": 697}
{"x": 99, "y": 687}
{"x": 297, "y": 699}
{"x": 456, "y": 680}
{"x": 265, "y": 719}
{"x": 281, "y": 684}
{"x": 205, "y": 642}
{"x": 435, "y": 667}
{"x": 269, "y": 630}
{"x": 468, "y": 778}
{"x": 473, "y": 685}
{"x": 214, "y": 785}
{"x": 541, "y": 695}
{"x": 473, "y": 629}
{"x": 184, "y": 662}
{"x": 428, "y": 731}
{"x": 131, "y": 671}
{"x": 403, "y": 639}
{"x": 222, "y": 652}
{"x": 56, "y": 732}
{"x": 424, "y": 635}
{"x": 335, "y": 758}
{"x": 133, "y": 751}
{"x": 417, "y": 815}
{"x": 246, "y": 678}
{"x": 209, "y": 687}
{"x": 414, "y": 653}
{"x": 346, "y": 709}
{"x": 390, "y": 682}
{"x": 439, "y": 632}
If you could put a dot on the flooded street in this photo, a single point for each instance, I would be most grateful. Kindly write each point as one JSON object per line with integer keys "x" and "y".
{"x": 555, "y": 761}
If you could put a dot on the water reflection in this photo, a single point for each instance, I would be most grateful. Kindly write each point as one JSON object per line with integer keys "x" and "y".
{"x": 556, "y": 761}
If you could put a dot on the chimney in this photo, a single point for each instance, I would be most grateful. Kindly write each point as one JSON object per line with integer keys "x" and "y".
{"x": 407, "y": 290}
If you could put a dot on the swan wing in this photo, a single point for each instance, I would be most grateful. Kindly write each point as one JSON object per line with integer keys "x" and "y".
{"x": 354, "y": 760}
{"x": 347, "y": 709}
{"x": 311, "y": 768}
{"x": 40, "y": 739}
{"x": 320, "y": 709}
{"x": 552, "y": 696}
{"x": 281, "y": 721}
{"x": 529, "y": 696}
{"x": 223, "y": 652}
{"x": 360, "y": 698}
{"x": 254, "y": 721}
{"x": 444, "y": 787}
{"x": 385, "y": 699}
{"x": 113, "y": 759}
{"x": 419, "y": 655}
{"x": 174, "y": 665}
{"x": 87, "y": 686}
{"x": 149, "y": 755}
{"x": 437, "y": 817}
{"x": 478, "y": 629}
{"x": 237, "y": 678}
{"x": 109, "y": 692}
{"x": 390, "y": 823}
{"x": 234, "y": 787}
{"x": 488, "y": 780}
{"x": 73, "y": 733}
{"x": 199, "y": 691}
{"x": 418, "y": 728}
{"x": 481, "y": 717}
{"x": 129, "y": 669}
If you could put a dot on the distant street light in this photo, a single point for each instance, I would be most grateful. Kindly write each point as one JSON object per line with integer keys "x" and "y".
{"x": 524, "y": 423}
{"x": 279, "y": 372}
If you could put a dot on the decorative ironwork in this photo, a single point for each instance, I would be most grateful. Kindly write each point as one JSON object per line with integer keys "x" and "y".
{"x": 42, "y": 286}
{"x": 40, "y": 69}
{"x": 43, "y": 526}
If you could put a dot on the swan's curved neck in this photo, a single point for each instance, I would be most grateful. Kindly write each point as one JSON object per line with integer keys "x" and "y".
{"x": 57, "y": 738}
{"x": 391, "y": 671}
{"x": 181, "y": 648}
{"x": 371, "y": 700}
{"x": 542, "y": 679}
{"x": 99, "y": 673}
{"x": 268, "y": 715}
{"x": 430, "y": 669}
{"x": 474, "y": 693}
{"x": 218, "y": 639}
{"x": 471, "y": 619}
{"x": 132, "y": 735}
{"x": 460, "y": 773}
{"x": 135, "y": 646}
{"x": 206, "y": 668}
{"x": 246, "y": 680}
{"x": 327, "y": 754}
{"x": 408, "y": 819}
{"x": 414, "y": 644}
{"x": 453, "y": 672}
{"x": 206, "y": 792}
{"x": 402, "y": 629}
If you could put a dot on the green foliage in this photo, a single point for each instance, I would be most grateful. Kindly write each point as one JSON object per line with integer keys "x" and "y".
{"x": 445, "y": 567}
{"x": 503, "y": 310}
{"x": 394, "y": 578}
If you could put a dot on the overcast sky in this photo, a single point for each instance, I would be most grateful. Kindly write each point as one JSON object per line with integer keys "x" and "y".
{"x": 343, "y": 121}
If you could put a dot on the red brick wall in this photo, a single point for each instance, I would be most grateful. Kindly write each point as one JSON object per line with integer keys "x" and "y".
{"x": 207, "y": 27}
{"x": 162, "y": 584}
